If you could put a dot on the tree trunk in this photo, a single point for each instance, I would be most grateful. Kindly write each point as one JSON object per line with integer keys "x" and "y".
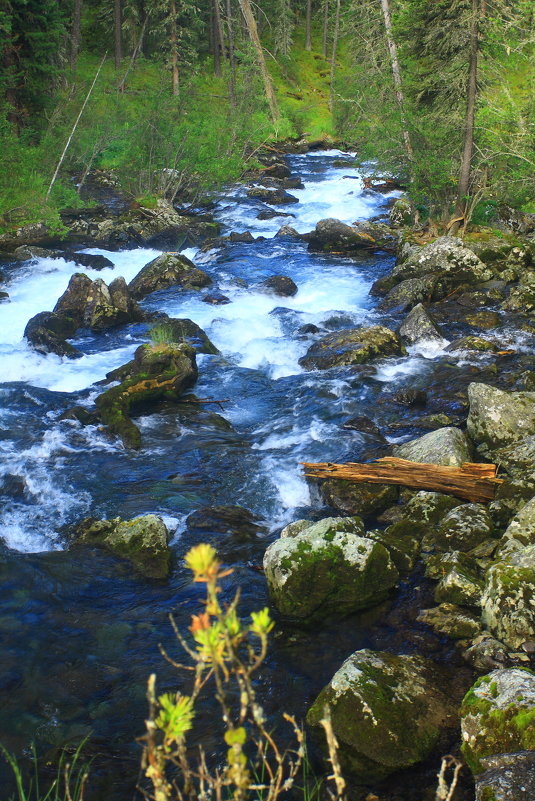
{"x": 333, "y": 54}
{"x": 396, "y": 72}
{"x": 117, "y": 33}
{"x": 468, "y": 147}
{"x": 308, "y": 35}
{"x": 75, "y": 32}
{"x": 250, "y": 21}
{"x": 230, "y": 38}
{"x": 174, "y": 48}
{"x": 325, "y": 27}
{"x": 219, "y": 45}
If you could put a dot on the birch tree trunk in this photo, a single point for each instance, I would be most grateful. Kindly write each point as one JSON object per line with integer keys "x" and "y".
{"x": 468, "y": 147}
{"x": 117, "y": 33}
{"x": 308, "y": 25}
{"x": 333, "y": 54}
{"x": 250, "y": 21}
{"x": 174, "y": 49}
{"x": 396, "y": 72}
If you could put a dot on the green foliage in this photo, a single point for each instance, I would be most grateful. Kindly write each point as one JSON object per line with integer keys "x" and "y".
{"x": 68, "y": 785}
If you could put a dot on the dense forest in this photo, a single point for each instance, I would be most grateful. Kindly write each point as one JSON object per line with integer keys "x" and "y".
{"x": 439, "y": 95}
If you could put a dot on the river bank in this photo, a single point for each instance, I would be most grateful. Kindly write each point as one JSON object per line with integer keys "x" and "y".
{"x": 83, "y": 630}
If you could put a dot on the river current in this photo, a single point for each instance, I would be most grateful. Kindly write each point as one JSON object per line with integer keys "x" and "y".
{"x": 79, "y": 630}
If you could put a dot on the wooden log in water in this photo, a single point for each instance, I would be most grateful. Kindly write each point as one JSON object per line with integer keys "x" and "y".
{"x": 471, "y": 482}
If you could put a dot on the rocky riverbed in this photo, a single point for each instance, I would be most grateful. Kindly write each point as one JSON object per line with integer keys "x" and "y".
{"x": 157, "y": 399}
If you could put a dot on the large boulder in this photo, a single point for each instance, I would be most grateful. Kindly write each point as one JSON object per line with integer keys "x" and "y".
{"x": 47, "y": 332}
{"x": 155, "y": 373}
{"x": 499, "y": 418}
{"x": 333, "y": 235}
{"x": 409, "y": 293}
{"x": 419, "y": 325}
{"x": 508, "y": 602}
{"x": 175, "y": 330}
{"x": 327, "y": 569}
{"x": 520, "y": 532}
{"x": 387, "y": 712}
{"x": 280, "y": 285}
{"x": 142, "y": 540}
{"x": 462, "y": 529}
{"x": 498, "y": 716}
{"x": 507, "y": 777}
{"x": 445, "y": 446}
{"x": 357, "y": 499}
{"x": 275, "y": 197}
{"x": 169, "y": 269}
{"x": 352, "y": 346}
{"x": 449, "y": 260}
{"x": 92, "y": 304}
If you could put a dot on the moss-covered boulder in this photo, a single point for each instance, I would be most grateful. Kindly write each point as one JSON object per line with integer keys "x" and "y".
{"x": 387, "y": 712}
{"x": 498, "y": 715}
{"x": 429, "y": 507}
{"x": 92, "y": 304}
{"x": 401, "y": 213}
{"x": 419, "y": 325}
{"x": 403, "y": 548}
{"x": 170, "y": 330}
{"x": 169, "y": 269}
{"x": 459, "y": 580}
{"x": 507, "y": 777}
{"x": 462, "y": 529}
{"x": 448, "y": 259}
{"x": 446, "y": 446}
{"x": 157, "y": 372}
{"x": 327, "y": 569}
{"x": 275, "y": 197}
{"x": 454, "y": 621}
{"x": 142, "y": 540}
{"x": 508, "y": 602}
{"x": 471, "y": 343}
{"x": 499, "y": 418}
{"x": 409, "y": 293}
{"x": 520, "y": 532}
{"x": 333, "y": 235}
{"x": 351, "y": 347}
{"x": 357, "y": 499}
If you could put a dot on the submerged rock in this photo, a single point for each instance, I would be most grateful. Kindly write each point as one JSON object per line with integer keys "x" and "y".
{"x": 499, "y": 418}
{"x": 280, "y": 285}
{"x": 445, "y": 446}
{"x": 351, "y": 347}
{"x": 142, "y": 540}
{"x": 156, "y": 372}
{"x": 498, "y": 716}
{"x": 508, "y": 608}
{"x": 387, "y": 712}
{"x": 327, "y": 569}
{"x": 169, "y": 269}
{"x": 234, "y": 520}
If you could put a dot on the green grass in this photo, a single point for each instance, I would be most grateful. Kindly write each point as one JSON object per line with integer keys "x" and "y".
{"x": 68, "y": 784}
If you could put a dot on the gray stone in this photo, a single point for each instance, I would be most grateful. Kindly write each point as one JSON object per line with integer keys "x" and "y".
{"x": 419, "y": 325}
{"x": 445, "y": 446}
{"x": 507, "y": 777}
{"x": 499, "y": 418}
{"x": 352, "y": 346}
{"x": 169, "y": 269}
{"x": 508, "y": 602}
{"x": 451, "y": 620}
{"x": 461, "y": 529}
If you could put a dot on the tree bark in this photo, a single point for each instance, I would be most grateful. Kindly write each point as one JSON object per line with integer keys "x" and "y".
{"x": 174, "y": 49}
{"x": 219, "y": 45}
{"x": 396, "y": 72}
{"x": 75, "y": 32}
{"x": 308, "y": 26}
{"x": 117, "y": 33}
{"x": 250, "y": 21}
{"x": 230, "y": 39}
{"x": 472, "y": 482}
{"x": 463, "y": 187}
{"x": 333, "y": 54}
{"x": 325, "y": 27}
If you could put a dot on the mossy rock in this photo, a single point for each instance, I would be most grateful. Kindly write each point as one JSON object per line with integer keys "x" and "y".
{"x": 352, "y": 346}
{"x": 357, "y": 499}
{"x": 477, "y": 344}
{"x": 176, "y": 330}
{"x": 507, "y": 777}
{"x": 327, "y": 569}
{"x": 452, "y": 620}
{"x": 142, "y": 540}
{"x": 499, "y": 418}
{"x": 498, "y": 716}
{"x": 387, "y": 712}
{"x": 520, "y": 531}
{"x": 461, "y": 529}
{"x": 508, "y": 602}
{"x": 403, "y": 549}
{"x": 459, "y": 579}
{"x": 169, "y": 269}
{"x": 429, "y": 507}
{"x": 445, "y": 446}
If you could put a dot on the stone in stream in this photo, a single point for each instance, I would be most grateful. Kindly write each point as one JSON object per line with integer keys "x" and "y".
{"x": 234, "y": 520}
{"x": 333, "y": 235}
{"x": 477, "y": 344}
{"x": 409, "y": 293}
{"x": 174, "y": 330}
{"x": 157, "y": 372}
{"x": 498, "y": 716}
{"x": 169, "y": 269}
{"x": 454, "y": 621}
{"x": 387, "y": 712}
{"x": 419, "y": 325}
{"x": 445, "y": 446}
{"x": 507, "y": 777}
{"x": 92, "y": 304}
{"x": 520, "y": 532}
{"x": 499, "y": 418}
{"x": 459, "y": 578}
{"x": 352, "y": 346}
{"x": 47, "y": 332}
{"x": 508, "y": 608}
{"x": 325, "y": 569}
{"x": 401, "y": 213}
{"x": 275, "y": 197}
{"x": 355, "y": 498}
{"x": 449, "y": 260}
{"x": 91, "y": 260}
{"x": 280, "y": 285}
{"x": 142, "y": 540}
{"x": 287, "y": 230}
{"x": 215, "y": 299}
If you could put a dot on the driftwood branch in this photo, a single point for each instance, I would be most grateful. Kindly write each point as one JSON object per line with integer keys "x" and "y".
{"x": 472, "y": 482}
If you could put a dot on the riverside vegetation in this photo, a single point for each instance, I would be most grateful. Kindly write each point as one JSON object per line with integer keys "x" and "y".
{"x": 406, "y": 619}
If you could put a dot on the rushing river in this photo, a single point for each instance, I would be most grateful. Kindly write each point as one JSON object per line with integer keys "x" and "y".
{"x": 79, "y": 631}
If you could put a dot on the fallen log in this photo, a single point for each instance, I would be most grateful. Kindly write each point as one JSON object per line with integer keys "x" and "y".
{"x": 471, "y": 482}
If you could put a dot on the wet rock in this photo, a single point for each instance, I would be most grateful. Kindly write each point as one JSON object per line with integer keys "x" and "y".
{"x": 47, "y": 332}
{"x": 499, "y": 418}
{"x": 449, "y": 260}
{"x": 387, "y": 712}
{"x": 156, "y": 372}
{"x": 269, "y": 214}
{"x": 401, "y": 213}
{"x": 462, "y": 529}
{"x": 498, "y": 716}
{"x": 26, "y": 252}
{"x": 351, "y": 347}
{"x": 508, "y": 611}
{"x": 280, "y": 285}
{"x": 403, "y": 549}
{"x": 277, "y": 170}
{"x": 327, "y": 569}
{"x": 90, "y": 260}
{"x": 142, "y": 540}
{"x": 486, "y": 653}
{"x": 245, "y": 236}
{"x": 409, "y": 293}
{"x": 174, "y": 330}
{"x": 275, "y": 197}
{"x": 485, "y": 320}
{"x": 333, "y": 235}
{"x": 433, "y": 421}
{"x": 287, "y": 230}
{"x": 362, "y": 423}
{"x": 309, "y": 328}
{"x": 446, "y": 446}
{"x": 4, "y": 296}
{"x": 477, "y": 344}
{"x": 357, "y": 499}
{"x": 459, "y": 579}
{"x": 410, "y": 397}
{"x": 233, "y": 520}
{"x": 92, "y": 304}
{"x": 419, "y": 325}
{"x": 430, "y": 507}
{"x": 81, "y": 414}
{"x": 13, "y": 485}
{"x": 215, "y": 299}
{"x": 507, "y": 777}
{"x": 452, "y": 620}
{"x": 521, "y": 299}
{"x": 167, "y": 270}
